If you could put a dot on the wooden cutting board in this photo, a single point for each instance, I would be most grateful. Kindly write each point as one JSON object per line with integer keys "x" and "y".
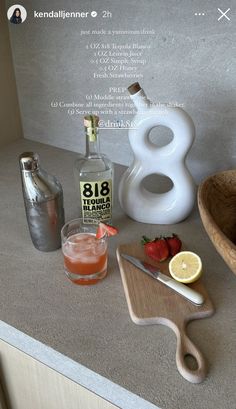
{"x": 151, "y": 302}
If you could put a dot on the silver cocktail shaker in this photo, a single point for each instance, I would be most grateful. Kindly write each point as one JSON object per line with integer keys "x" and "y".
{"x": 43, "y": 198}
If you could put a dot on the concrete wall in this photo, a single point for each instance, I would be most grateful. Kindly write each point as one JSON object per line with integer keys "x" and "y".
{"x": 10, "y": 123}
{"x": 188, "y": 59}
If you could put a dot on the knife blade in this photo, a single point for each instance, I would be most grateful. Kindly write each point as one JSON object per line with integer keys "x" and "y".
{"x": 182, "y": 289}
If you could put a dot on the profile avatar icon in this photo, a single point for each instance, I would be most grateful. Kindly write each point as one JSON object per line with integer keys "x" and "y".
{"x": 16, "y": 14}
{"x": 16, "y": 17}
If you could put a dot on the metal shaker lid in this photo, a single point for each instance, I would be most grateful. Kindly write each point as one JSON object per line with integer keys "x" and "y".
{"x": 134, "y": 88}
{"x": 29, "y": 161}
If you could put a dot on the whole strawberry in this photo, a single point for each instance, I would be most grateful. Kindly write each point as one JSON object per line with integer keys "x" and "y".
{"x": 156, "y": 249}
{"x": 174, "y": 244}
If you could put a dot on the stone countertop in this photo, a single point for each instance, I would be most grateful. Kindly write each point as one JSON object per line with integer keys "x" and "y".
{"x": 86, "y": 332}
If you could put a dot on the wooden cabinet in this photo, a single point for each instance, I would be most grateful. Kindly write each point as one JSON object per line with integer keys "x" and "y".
{"x": 29, "y": 384}
{"x": 2, "y": 398}
{"x": 9, "y": 108}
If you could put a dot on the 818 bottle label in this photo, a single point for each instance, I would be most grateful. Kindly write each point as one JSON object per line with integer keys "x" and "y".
{"x": 96, "y": 200}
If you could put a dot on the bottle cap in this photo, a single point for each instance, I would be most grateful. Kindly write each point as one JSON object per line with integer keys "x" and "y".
{"x": 134, "y": 88}
{"x": 29, "y": 161}
{"x": 91, "y": 121}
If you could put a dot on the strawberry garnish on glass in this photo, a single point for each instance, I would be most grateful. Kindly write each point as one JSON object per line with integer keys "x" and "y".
{"x": 105, "y": 229}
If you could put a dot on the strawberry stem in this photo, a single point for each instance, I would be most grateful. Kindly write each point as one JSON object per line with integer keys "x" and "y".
{"x": 145, "y": 240}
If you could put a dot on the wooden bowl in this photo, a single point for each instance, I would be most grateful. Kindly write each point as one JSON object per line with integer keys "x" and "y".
{"x": 217, "y": 206}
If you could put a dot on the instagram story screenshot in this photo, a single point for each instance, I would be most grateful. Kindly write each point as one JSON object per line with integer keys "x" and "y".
{"x": 118, "y": 204}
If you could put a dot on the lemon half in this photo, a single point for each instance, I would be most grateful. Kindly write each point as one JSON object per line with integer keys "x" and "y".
{"x": 185, "y": 267}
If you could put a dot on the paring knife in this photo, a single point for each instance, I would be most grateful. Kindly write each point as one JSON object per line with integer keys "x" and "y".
{"x": 180, "y": 288}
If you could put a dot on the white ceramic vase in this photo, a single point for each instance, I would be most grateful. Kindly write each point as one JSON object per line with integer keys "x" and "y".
{"x": 169, "y": 160}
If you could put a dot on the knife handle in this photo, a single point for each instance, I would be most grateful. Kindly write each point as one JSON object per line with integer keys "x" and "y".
{"x": 182, "y": 289}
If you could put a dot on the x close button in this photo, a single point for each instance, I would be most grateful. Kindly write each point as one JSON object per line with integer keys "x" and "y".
{"x": 223, "y": 14}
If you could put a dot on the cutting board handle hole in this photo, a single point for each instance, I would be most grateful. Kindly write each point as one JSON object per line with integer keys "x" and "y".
{"x": 191, "y": 362}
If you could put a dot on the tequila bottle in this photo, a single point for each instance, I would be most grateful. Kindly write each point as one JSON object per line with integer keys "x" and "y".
{"x": 94, "y": 177}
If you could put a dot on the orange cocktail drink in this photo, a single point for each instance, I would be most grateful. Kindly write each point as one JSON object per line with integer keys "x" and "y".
{"x": 85, "y": 256}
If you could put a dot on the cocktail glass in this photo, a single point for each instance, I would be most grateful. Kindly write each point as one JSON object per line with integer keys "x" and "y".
{"x": 85, "y": 256}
